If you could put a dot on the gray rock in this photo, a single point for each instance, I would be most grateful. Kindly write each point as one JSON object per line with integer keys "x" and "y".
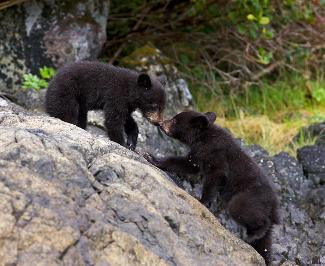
{"x": 31, "y": 99}
{"x": 299, "y": 239}
{"x": 312, "y": 159}
{"x": 48, "y": 33}
{"x": 301, "y": 233}
{"x": 68, "y": 197}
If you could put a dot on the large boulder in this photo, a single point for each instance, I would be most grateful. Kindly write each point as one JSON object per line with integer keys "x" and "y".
{"x": 300, "y": 236}
{"x": 70, "y": 198}
{"x": 312, "y": 159}
{"x": 48, "y": 33}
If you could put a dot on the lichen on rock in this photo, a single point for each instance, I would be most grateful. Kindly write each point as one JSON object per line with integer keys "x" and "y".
{"x": 48, "y": 33}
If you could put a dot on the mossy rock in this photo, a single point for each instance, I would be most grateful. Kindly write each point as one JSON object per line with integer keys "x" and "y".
{"x": 48, "y": 33}
{"x": 144, "y": 56}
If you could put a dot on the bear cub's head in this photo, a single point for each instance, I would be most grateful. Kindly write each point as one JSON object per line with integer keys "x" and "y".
{"x": 152, "y": 97}
{"x": 188, "y": 126}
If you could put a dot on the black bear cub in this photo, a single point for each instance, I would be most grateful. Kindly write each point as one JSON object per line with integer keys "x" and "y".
{"x": 226, "y": 169}
{"x": 85, "y": 85}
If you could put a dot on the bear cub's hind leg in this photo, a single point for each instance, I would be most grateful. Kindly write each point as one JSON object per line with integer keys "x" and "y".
{"x": 247, "y": 211}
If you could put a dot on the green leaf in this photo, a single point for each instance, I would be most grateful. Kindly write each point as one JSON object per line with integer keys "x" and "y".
{"x": 264, "y": 57}
{"x": 319, "y": 95}
{"x": 241, "y": 29}
{"x": 43, "y": 83}
{"x": 261, "y": 51}
{"x": 251, "y": 17}
{"x": 184, "y": 59}
{"x": 264, "y": 20}
{"x": 47, "y": 72}
{"x": 268, "y": 34}
{"x": 30, "y": 82}
{"x": 317, "y": 118}
{"x": 34, "y": 82}
{"x": 253, "y": 32}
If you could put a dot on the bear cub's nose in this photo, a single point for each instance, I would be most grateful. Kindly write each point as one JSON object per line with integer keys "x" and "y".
{"x": 165, "y": 126}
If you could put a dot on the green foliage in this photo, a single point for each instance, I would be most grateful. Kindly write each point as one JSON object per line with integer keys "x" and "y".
{"x": 318, "y": 92}
{"x": 31, "y": 82}
{"x": 34, "y": 82}
{"x": 302, "y": 140}
{"x": 317, "y": 118}
{"x": 47, "y": 72}
{"x": 252, "y": 18}
{"x": 242, "y": 58}
{"x": 264, "y": 57}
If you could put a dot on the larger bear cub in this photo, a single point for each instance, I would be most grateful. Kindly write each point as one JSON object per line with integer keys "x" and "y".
{"x": 226, "y": 169}
{"x": 85, "y": 85}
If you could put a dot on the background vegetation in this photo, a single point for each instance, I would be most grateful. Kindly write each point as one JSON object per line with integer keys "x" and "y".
{"x": 258, "y": 63}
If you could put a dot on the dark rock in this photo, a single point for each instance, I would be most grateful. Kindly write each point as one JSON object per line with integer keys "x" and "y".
{"x": 48, "y": 33}
{"x": 299, "y": 239}
{"x": 312, "y": 159}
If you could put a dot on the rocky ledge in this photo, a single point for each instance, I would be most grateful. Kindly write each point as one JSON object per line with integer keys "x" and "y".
{"x": 70, "y": 198}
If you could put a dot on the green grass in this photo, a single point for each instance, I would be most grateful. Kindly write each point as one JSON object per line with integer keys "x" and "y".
{"x": 270, "y": 114}
{"x": 301, "y": 141}
{"x": 279, "y": 100}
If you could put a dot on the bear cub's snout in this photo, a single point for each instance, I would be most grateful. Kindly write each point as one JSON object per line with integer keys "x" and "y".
{"x": 166, "y": 127}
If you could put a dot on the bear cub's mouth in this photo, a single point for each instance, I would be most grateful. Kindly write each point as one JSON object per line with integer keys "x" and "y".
{"x": 154, "y": 118}
{"x": 165, "y": 126}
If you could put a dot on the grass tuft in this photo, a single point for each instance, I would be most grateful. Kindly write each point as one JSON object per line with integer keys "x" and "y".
{"x": 271, "y": 114}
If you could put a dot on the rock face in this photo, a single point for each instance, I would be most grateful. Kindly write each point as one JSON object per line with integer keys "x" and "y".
{"x": 312, "y": 159}
{"x": 48, "y": 33}
{"x": 300, "y": 237}
{"x": 69, "y": 198}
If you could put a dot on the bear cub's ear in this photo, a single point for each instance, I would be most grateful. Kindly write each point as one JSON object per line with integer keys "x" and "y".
{"x": 211, "y": 117}
{"x": 200, "y": 122}
{"x": 144, "y": 80}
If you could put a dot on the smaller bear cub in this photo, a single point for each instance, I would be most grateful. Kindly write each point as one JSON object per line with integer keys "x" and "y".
{"x": 226, "y": 169}
{"x": 85, "y": 85}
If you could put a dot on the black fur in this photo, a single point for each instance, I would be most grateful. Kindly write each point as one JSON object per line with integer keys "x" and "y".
{"x": 85, "y": 85}
{"x": 228, "y": 170}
